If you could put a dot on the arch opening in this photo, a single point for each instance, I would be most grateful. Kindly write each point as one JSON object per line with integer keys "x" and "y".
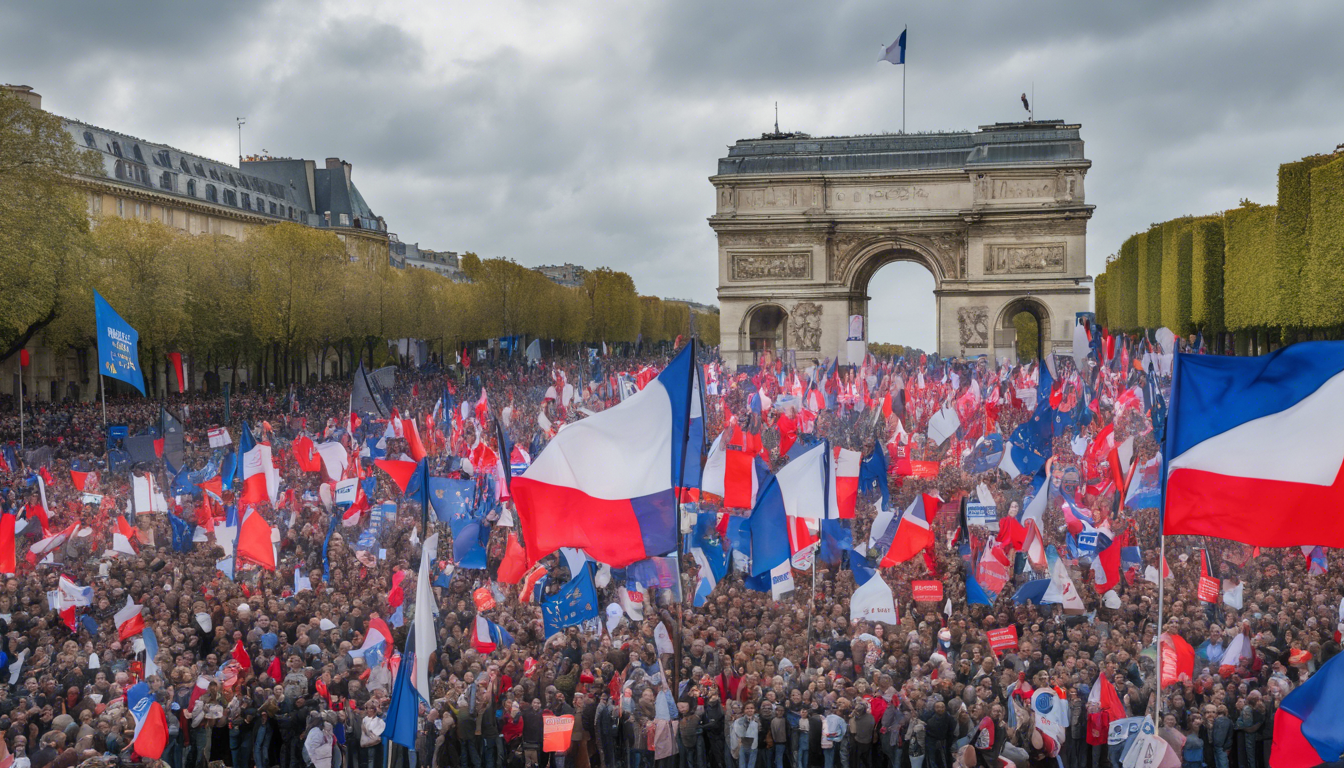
{"x": 899, "y": 302}
{"x": 1023, "y": 327}
{"x": 766, "y": 331}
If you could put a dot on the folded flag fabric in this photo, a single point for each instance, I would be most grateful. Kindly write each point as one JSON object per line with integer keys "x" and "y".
{"x": 151, "y": 724}
{"x": 607, "y": 484}
{"x": 1309, "y": 725}
{"x": 129, "y": 621}
{"x": 910, "y": 535}
{"x": 487, "y": 636}
{"x": 1254, "y": 449}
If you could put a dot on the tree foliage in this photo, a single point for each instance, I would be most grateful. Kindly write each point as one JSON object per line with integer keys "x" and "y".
{"x": 43, "y": 225}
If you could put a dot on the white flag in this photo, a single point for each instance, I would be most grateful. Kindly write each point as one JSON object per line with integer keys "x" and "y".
{"x": 873, "y": 601}
{"x": 781, "y": 581}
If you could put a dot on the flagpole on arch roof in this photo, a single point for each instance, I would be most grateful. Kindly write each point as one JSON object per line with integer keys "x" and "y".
{"x": 904, "y": 67}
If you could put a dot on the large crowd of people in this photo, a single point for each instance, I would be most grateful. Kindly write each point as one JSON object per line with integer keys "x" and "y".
{"x": 255, "y": 667}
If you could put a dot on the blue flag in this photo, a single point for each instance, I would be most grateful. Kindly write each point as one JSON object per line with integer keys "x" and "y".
{"x": 118, "y": 353}
{"x": 1032, "y": 592}
{"x": 452, "y": 498}
{"x": 768, "y": 524}
{"x": 182, "y": 533}
{"x": 873, "y": 472}
{"x": 403, "y": 712}
{"x": 574, "y": 604}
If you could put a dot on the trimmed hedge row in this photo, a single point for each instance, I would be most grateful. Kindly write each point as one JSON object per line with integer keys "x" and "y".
{"x": 1277, "y": 268}
{"x": 1248, "y": 275}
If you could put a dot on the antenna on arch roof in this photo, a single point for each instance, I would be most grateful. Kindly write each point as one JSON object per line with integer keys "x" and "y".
{"x": 776, "y": 117}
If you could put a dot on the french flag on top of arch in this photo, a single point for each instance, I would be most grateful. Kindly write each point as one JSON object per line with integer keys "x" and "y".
{"x": 608, "y": 483}
{"x": 1255, "y": 447}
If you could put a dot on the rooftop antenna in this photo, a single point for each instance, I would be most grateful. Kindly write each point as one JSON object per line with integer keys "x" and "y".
{"x": 776, "y": 117}
{"x": 241, "y": 122}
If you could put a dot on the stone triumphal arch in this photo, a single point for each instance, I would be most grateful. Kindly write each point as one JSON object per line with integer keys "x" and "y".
{"x": 997, "y": 215}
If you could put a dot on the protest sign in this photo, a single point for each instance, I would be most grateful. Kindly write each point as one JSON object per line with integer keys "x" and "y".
{"x": 927, "y": 591}
{"x": 556, "y": 732}
{"x": 986, "y": 515}
{"x": 1208, "y": 590}
{"x": 1002, "y": 639}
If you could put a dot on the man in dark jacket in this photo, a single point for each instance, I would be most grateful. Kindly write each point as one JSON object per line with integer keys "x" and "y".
{"x": 712, "y": 723}
{"x": 939, "y": 730}
{"x": 533, "y": 732}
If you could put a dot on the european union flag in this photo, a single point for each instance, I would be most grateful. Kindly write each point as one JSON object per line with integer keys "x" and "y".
{"x": 452, "y": 498}
{"x": 118, "y": 342}
{"x": 574, "y": 604}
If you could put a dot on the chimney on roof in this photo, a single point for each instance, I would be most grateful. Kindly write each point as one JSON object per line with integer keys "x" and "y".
{"x": 24, "y": 92}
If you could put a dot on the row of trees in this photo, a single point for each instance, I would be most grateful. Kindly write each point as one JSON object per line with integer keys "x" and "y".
{"x": 277, "y": 301}
{"x": 1253, "y": 276}
{"x": 289, "y": 295}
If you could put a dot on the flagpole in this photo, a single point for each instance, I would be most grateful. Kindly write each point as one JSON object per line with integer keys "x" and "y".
{"x": 904, "y": 66}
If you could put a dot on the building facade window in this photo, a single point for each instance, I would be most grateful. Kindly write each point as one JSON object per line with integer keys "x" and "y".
{"x": 88, "y": 140}
{"x": 211, "y": 193}
{"x": 121, "y": 208}
{"x": 247, "y": 201}
{"x": 200, "y": 170}
{"x": 161, "y": 158}
{"x": 272, "y": 209}
{"x": 182, "y": 163}
{"x": 116, "y": 148}
{"x": 231, "y": 197}
{"x": 135, "y": 150}
{"x": 191, "y": 187}
{"x": 166, "y": 181}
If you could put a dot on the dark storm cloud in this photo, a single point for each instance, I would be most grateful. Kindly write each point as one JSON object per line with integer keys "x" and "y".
{"x": 556, "y": 132}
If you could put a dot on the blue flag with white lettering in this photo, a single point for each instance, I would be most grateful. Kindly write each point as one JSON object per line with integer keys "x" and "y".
{"x": 118, "y": 342}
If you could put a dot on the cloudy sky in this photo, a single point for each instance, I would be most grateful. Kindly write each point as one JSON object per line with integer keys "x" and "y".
{"x": 584, "y": 131}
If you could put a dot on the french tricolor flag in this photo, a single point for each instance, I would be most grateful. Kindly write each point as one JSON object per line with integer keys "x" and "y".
{"x": 261, "y": 480}
{"x": 1255, "y": 447}
{"x": 129, "y": 621}
{"x": 607, "y": 484}
{"x": 486, "y": 636}
{"x": 912, "y": 533}
{"x": 730, "y": 472}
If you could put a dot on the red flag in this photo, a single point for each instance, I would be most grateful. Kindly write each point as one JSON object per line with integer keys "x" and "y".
{"x": 151, "y": 731}
{"x": 79, "y": 479}
{"x": 7, "y": 543}
{"x": 1106, "y": 568}
{"x": 240, "y": 656}
{"x": 304, "y": 455}
{"x": 412, "y": 435}
{"x": 176, "y": 359}
{"x": 514, "y": 564}
{"x": 399, "y": 471}
{"x": 1178, "y": 659}
{"x": 1104, "y": 696}
{"x": 254, "y": 541}
{"x": 23, "y": 358}
{"x": 396, "y": 596}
